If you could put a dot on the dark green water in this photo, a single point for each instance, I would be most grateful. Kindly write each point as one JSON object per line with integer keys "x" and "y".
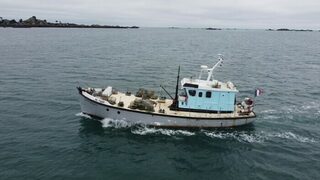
{"x": 44, "y": 136}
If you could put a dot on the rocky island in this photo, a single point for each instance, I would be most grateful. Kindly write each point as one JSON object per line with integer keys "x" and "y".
{"x": 34, "y": 22}
{"x": 285, "y": 29}
{"x": 213, "y": 29}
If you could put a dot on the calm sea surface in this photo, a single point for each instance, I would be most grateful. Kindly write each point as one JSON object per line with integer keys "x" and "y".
{"x": 43, "y": 135}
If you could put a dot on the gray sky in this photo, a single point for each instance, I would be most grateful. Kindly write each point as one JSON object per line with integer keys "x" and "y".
{"x": 163, "y": 13}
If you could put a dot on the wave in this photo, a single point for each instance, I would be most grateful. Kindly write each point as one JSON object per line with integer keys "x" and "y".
{"x": 304, "y": 108}
{"x": 259, "y": 137}
{"x": 292, "y": 136}
{"x": 311, "y": 105}
{"x": 309, "y": 108}
{"x": 241, "y": 136}
{"x": 168, "y": 132}
{"x": 269, "y": 111}
{"x": 271, "y": 117}
{"x": 142, "y": 129}
{"x": 83, "y": 115}
{"x": 108, "y": 122}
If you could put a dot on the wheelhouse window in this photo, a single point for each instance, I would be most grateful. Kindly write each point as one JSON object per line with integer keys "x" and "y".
{"x": 200, "y": 94}
{"x": 183, "y": 93}
{"x": 208, "y": 94}
{"x": 192, "y": 92}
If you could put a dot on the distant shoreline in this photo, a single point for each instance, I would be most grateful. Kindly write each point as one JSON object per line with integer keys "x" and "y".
{"x": 33, "y": 22}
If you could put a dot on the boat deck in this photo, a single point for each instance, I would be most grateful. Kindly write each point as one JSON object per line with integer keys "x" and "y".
{"x": 164, "y": 104}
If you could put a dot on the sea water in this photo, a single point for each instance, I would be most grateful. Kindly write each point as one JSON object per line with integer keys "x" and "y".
{"x": 44, "y": 135}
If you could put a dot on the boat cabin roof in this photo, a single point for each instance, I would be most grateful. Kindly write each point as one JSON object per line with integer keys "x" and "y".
{"x": 209, "y": 83}
{"x": 213, "y": 85}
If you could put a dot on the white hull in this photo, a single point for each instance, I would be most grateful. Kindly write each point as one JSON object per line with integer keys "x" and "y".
{"x": 94, "y": 107}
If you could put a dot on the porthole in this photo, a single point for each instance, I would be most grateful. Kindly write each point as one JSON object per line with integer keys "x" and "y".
{"x": 118, "y": 112}
{"x": 107, "y": 109}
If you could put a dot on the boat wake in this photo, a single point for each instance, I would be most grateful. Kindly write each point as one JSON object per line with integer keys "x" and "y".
{"x": 305, "y": 108}
{"x": 108, "y": 122}
{"x": 240, "y": 136}
{"x": 291, "y": 136}
{"x": 168, "y": 132}
{"x": 259, "y": 137}
{"x": 141, "y": 129}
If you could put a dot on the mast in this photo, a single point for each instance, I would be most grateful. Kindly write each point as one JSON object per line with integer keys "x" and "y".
{"x": 175, "y": 103}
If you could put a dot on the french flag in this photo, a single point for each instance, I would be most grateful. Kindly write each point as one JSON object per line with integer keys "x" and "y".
{"x": 258, "y": 92}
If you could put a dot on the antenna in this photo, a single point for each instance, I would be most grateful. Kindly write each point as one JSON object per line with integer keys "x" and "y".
{"x": 210, "y": 71}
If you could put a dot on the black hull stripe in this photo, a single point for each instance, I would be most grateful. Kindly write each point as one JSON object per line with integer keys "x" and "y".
{"x": 154, "y": 114}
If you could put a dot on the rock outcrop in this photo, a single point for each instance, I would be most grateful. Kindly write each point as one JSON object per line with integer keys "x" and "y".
{"x": 286, "y": 29}
{"x": 34, "y": 22}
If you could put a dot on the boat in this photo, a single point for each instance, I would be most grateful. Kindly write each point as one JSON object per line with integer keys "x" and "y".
{"x": 199, "y": 103}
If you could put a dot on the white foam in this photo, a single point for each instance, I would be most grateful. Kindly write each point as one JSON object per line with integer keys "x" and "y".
{"x": 142, "y": 129}
{"x": 269, "y": 111}
{"x": 311, "y": 105}
{"x": 302, "y": 109}
{"x": 239, "y": 136}
{"x": 259, "y": 137}
{"x": 108, "y": 122}
{"x": 251, "y": 138}
{"x": 291, "y": 109}
{"x": 168, "y": 132}
{"x": 271, "y": 117}
{"x": 84, "y": 115}
{"x": 216, "y": 135}
{"x": 292, "y": 136}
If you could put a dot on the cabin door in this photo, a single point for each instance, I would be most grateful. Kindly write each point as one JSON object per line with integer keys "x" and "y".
{"x": 223, "y": 101}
